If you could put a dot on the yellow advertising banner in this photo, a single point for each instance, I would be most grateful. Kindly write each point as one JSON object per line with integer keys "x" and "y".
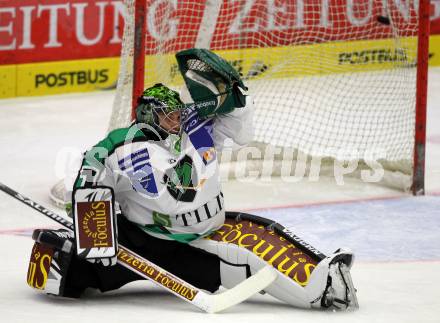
{"x": 434, "y": 50}
{"x": 8, "y": 81}
{"x": 66, "y": 76}
{"x": 299, "y": 61}
{"x": 273, "y": 62}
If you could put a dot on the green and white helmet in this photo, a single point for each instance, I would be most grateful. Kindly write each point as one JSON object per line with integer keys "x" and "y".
{"x": 154, "y": 100}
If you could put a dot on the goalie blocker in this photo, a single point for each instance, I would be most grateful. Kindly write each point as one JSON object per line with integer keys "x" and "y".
{"x": 94, "y": 222}
{"x": 244, "y": 245}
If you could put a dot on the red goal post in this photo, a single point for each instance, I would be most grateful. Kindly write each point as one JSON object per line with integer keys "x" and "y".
{"x": 418, "y": 185}
{"x": 327, "y": 76}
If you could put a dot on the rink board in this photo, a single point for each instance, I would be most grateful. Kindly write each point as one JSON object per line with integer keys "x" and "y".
{"x": 275, "y": 62}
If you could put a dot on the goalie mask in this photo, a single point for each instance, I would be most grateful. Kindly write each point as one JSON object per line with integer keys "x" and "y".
{"x": 214, "y": 85}
{"x": 160, "y": 107}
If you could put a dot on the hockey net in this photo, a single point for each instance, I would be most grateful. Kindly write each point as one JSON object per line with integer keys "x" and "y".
{"x": 332, "y": 81}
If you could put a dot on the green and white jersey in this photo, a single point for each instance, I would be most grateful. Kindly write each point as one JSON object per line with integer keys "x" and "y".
{"x": 169, "y": 187}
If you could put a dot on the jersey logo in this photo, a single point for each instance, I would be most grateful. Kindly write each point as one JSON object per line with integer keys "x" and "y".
{"x": 179, "y": 181}
{"x": 162, "y": 219}
{"x": 208, "y": 155}
{"x": 138, "y": 169}
{"x": 201, "y": 138}
{"x": 205, "y": 212}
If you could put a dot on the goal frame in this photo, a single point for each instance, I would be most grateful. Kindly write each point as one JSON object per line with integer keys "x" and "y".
{"x": 418, "y": 186}
{"x": 418, "y": 177}
{"x": 140, "y": 29}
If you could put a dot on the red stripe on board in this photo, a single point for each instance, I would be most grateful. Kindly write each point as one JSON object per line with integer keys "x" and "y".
{"x": 301, "y": 205}
{"x": 20, "y": 231}
{"x": 392, "y": 262}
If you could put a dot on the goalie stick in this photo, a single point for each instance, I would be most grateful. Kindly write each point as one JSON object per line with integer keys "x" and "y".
{"x": 210, "y": 303}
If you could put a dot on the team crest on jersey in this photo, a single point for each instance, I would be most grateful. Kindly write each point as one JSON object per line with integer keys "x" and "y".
{"x": 180, "y": 180}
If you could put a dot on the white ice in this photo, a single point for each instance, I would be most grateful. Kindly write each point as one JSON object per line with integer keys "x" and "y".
{"x": 395, "y": 237}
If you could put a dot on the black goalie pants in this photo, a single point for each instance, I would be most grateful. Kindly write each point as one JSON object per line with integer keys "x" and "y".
{"x": 195, "y": 266}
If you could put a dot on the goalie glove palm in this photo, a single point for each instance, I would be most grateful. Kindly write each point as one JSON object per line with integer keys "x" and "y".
{"x": 214, "y": 85}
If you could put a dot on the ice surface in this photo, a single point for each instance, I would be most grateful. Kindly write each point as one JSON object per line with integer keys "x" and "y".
{"x": 403, "y": 229}
{"x": 396, "y": 237}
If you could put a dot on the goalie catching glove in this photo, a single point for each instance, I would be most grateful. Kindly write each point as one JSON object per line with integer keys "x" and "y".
{"x": 214, "y": 85}
{"x": 95, "y": 225}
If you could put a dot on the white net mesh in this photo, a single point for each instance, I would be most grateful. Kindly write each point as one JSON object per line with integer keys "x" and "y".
{"x": 329, "y": 78}
{"x": 121, "y": 113}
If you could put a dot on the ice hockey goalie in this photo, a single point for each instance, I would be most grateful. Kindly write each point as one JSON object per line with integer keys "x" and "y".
{"x": 154, "y": 187}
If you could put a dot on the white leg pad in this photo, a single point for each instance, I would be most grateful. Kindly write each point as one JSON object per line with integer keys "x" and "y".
{"x": 288, "y": 291}
{"x": 283, "y": 288}
{"x": 232, "y": 275}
